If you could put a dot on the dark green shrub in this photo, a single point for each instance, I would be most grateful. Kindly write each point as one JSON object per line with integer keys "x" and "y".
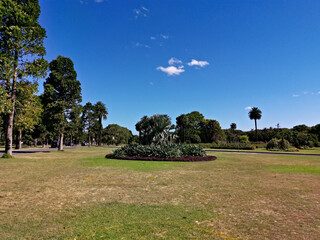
{"x": 278, "y": 144}
{"x": 160, "y": 151}
{"x": 273, "y": 144}
{"x": 234, "y": 145}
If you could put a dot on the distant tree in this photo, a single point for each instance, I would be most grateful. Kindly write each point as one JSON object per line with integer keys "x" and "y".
{"x": 89, "y": 120}
{"x": 233, "y": 126}
{"x": 101, "y": 112}
{"x": 155, "y": 129}
{"x": 188, "y": 127}
{"x": 74, "y": 126}
{"x": 21, "y": 52}
{"x": 28, "y": 109}
{"x": 62, "y": 92}
{"x": 255, "y": 113}
{"x": 115, "y": 134}
{"x": 301, "y": 128}
{"x": 210, "y": 131}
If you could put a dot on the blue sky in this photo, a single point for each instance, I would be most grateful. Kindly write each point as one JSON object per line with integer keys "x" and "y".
{"x": 225, "y": 56}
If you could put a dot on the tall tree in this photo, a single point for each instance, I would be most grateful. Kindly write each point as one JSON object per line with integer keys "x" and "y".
{"x": 89, "y": 120}
{"x": 62, "y": 92}
{"x": 101, "y": 112}
{"x": 210, "y": 131}
{"x": 255, "y": 113}
{"x": 21, "y": 51}
{"x": 28, "y": 109}
{"x": 188, "y": 127}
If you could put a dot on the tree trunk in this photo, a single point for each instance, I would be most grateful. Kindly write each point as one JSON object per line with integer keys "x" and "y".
{"x": 255, "y": 123}
{"x": 9, "y": 127}
{"x": 61, "y": 142}
{"x": 35, "y": 143}
{"x": 100, "y": 132}
{"x": 20, "y": 140}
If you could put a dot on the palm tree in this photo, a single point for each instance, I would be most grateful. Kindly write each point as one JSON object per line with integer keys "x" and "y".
{"x": 255, "y": 114}
{"x": 101, "y": 112}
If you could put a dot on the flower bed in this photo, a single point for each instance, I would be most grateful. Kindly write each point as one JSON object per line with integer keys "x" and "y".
{"x": 180, "y": 159}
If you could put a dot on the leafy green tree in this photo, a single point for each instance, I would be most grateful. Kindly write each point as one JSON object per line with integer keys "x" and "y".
{"x": 188, "y": 127}
{"x": 74, "y": 127}
{"x": 255, "y": 113}
{"x": 28, "y": 109}
{"x": 101, "y": 112}
{"x": 115, "y": 134}
{"x": 155, "y": 129}
{"x": 233, "y": 126}
{"x": 210, "y": 131}
{"x": 89, "y": 120}
{"x": 62, "y": 93}
{"x": 21, "y": 52}
{"x": 301, "y": 128}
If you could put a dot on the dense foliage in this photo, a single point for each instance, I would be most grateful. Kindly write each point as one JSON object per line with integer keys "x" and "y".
{"x": 278, "y": 144}
{"x": 160, "y": 151}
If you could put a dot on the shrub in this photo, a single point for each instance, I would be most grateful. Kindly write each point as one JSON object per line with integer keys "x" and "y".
{"x": 244, "y": 139}
{"x": 272, "y": 144}
{"x": 160, "y": 151}
{"x": 234, "y": 145}
{"x": 180, "y": 159}
{"x": 6, "y": 155}
{"x": 278, "y": 144}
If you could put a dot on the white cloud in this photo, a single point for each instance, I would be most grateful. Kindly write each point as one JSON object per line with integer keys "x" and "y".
{"x": 142, "y": 45}
{"x": 295, "y": 95}
{"x": 153, "y": 38}
{"x": 98, "y": 1}
{"x": 319, "y": 92}
{"x": 247, "y": 108}
{"x": 142, "y": 11}
{"x": 164, "y": 36}
{"x": 174, "y": 60}
{"x": 171, "y": 70}
{"x": 198, "y": 63}
{"x": 151, "y": 83}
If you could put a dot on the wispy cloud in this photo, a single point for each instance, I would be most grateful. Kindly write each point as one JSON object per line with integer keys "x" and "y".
{"x": 174, "y": 60}
{"x": 171, "y": 70}
{"x": 248, "y": 108}
{"x": 142, "y": 45}
{"x": 295, "y": 95}
{"x": 164, "y": 36}
{"x": 141, "y": 12}
{"x": 151, "y": 83}
{"x": 198, "y": 63}
{"x": 153, "y": 38}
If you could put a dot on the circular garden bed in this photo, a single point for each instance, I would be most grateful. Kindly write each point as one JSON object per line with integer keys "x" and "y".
{"x": 165, "y": 152}
{"x": 180, "y": 159}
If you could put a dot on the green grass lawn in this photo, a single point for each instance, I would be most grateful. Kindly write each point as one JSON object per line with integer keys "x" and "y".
{"x": 78, "y": 194}
{"x": 315, "y": 150}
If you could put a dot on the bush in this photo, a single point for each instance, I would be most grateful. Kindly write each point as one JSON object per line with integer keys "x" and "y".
{"x": 160, "y": 151}
{"x": 244, "y": 139}
{"x": 234, "y": 145}
{"x": 180, "y": 159}
{"x": 278, "y": 144}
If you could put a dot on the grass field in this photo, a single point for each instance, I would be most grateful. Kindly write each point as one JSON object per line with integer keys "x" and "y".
{"x": 315, "y": 150}
{"x": 78, "y": 194}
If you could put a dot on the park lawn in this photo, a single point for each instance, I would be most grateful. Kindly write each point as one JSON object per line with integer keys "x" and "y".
{"x": 78, "y": 194}
{"x": 315, "y": 150}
